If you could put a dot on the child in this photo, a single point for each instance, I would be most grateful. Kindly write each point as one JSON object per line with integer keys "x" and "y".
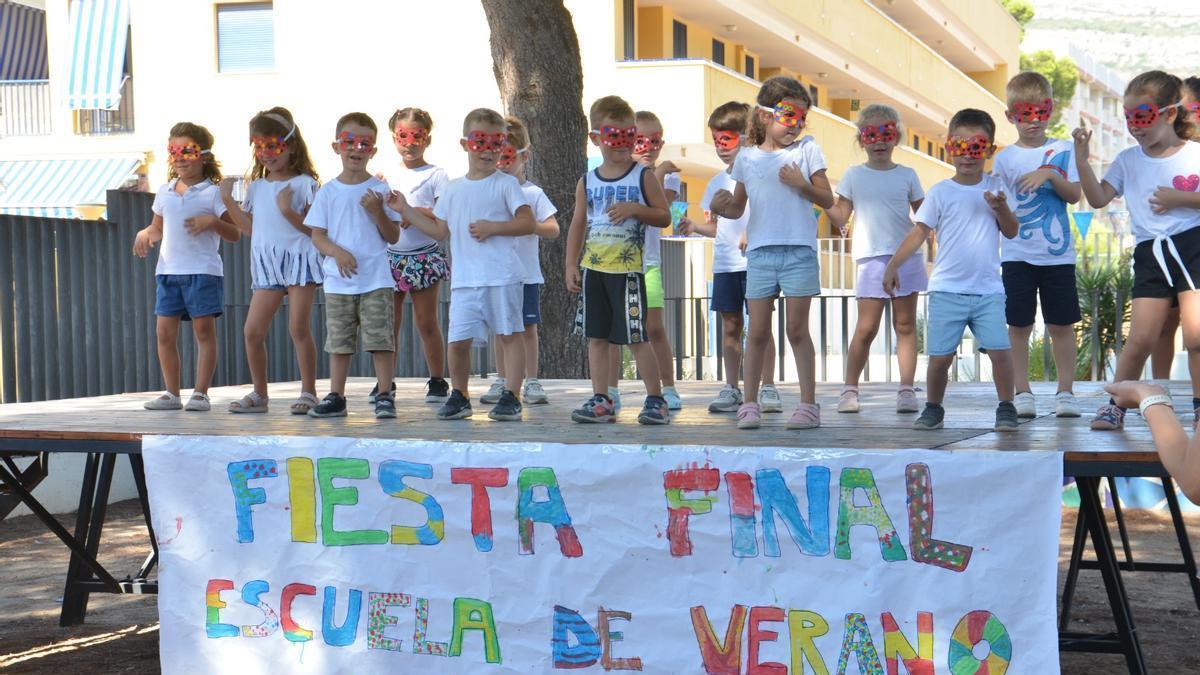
{"x": 419, "y": 262}
{"x": 190, "y": 221}
{"x": 782, "y": 178}
{"x": 1166, "y": 259}
{"x": 1179, "y": 455}
{"x": 352, "y": 227}
{"x": 622, "y": 198}
{"x": 483, "y": 213}
{"x": 882, "y": 195}
{"x": 728, "y": 124}
{"x": 967, "y": 211}
{"x": 283, "y": 260}
{"x": 1040, "y": 260}
{"x": 513, "y": 160}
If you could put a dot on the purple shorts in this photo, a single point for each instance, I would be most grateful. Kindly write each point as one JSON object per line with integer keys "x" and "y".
{"x": 913, "y": 277}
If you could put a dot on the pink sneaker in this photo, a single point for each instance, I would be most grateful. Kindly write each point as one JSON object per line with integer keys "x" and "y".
{"x": 906, "y": 401}
{"x": 806, "y": 416}
{"x": 848, "y": 403}
{"x": 749, "y": 416}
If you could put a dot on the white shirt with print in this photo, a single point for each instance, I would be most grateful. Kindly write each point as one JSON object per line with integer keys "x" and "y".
{"x": 1136, "y": 176}
{"x": 1045, "y": 236}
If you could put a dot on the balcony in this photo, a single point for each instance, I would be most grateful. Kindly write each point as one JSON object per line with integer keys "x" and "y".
{"x": 24, "y": 108}
{"x": 954, "y": 28}
{"x": 108, "y": 122}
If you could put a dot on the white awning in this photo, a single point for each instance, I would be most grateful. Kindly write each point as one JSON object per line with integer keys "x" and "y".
{"x": 100, "y": 32}
{"x": 52, "y": 188}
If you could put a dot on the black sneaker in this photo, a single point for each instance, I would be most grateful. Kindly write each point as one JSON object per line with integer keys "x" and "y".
{"x": 374, "y": 395}
{"x": 599, "y": 408}
{"x": 1006, "y": 417}
{"x": 508, "y": 408}
{"x": 333, "y": 405}
{"x": 437, "y": 390}
{"x": 654, "y": 411}
{"x": 385, "y": 407}
{"x": 932, "y": 417}
{"x": 456, "y": 407}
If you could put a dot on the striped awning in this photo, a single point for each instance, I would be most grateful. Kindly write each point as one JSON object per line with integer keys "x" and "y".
{"x": 99, "y": 32}
{"x": 22, "y": 42}
{"x": 51, "y": 188}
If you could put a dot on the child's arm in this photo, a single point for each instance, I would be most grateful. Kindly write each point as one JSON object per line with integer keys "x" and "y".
{"x": 346, "y": 263}
{"x": 839, "y": 214}
{"x": 389, "y": 229}
{"x": 421, "y": 218}
{"x": 910, "y": 245}
{"x": 296, "y": 219}
{"x": 244, "y": 221}
{"x": 1005, "y": 218}
{"x": 656, "y": 214}
{"x": 707, "y": 228}
{"x": 815, "y": 189}
{"x": 548, "y": 228}
{"x": 1164, "y": 199}
{"x": 148, "y": 236}
{"x": 1180, "y": 456}
{"x": 729, "y": 205}
{"x": 222, "y": 225}
{"x": 575, "y": 237}
{"x": 522, "y": 223}
{"x": 1068, "y": 191}
{"x": 1098, "y": 194}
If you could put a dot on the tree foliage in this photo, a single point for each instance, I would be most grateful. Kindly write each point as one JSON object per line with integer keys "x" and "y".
{"x": 1021, "y": 10}
{"x": 1064, "y": 77}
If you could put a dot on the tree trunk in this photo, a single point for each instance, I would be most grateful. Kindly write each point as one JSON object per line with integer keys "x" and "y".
{"x": 535, "y": 55}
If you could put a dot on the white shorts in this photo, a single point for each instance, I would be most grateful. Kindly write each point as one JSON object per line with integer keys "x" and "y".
{"x": 478, "y": 310}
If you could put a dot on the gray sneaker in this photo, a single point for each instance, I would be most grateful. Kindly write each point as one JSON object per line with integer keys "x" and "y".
{"x": 1025, "y": 404}
{"x": 534, "y": 394}
{"x": 768, "y": 398}
{"x": 1006, "y": 417}
{"x": 727, "y": 400}
{"x": 495, "y": 391}
{"x": 931, "y": 418}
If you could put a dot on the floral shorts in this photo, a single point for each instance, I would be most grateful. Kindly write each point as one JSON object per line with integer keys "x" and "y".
{"x": 418, "y": 270}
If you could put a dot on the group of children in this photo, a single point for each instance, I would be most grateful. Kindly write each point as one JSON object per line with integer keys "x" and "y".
{"x": 1003, "y": 238}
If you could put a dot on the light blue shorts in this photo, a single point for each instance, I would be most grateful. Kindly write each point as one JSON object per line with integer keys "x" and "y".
{"x": 951, "y": 313}
{"x": 791, "y": 270}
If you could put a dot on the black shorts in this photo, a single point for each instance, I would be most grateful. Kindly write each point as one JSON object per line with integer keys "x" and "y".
{"x": 612, "y": 307}
{"x": 729, "y": 292}
{"x": 1149, "y": 280}
{"x": 1023, "y": 283}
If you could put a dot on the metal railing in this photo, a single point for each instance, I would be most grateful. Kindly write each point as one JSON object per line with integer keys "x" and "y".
{"x": 25, "y": 108}
{"x": 108, "y": 122}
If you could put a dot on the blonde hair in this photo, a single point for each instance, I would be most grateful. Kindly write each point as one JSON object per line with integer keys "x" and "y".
{"x": 646, "y": 117}
{"x": 518, "y": 135}
{"x": 610, "y": 107}
{"x": 731, "y": 116}
{"x": 482, "y": 117}
{"x": 1028, "y": 86}
{"x": 878, "y": 111}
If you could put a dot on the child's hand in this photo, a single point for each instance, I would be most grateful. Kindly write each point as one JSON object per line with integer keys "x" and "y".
{"x": 743, "y": 242}
{"x": 1164, "y": 199}
{"x": 891, "y": 281}
{"x": 686, "y": 227}
{"x": 482, "y": 229}
{"x": 346, "y": 263}
{"x": 200, "y": 224}
{"x": 227, "y": 184}
{"x": 284, "y": 199}
{"x": 396, "y": 201}
{"x": 997, "y": 201}
{"x": 1033, "y": 180}
{"x": 665, "y": 168}
{"x": 145, "y": 240}
{"x": 721, "y": 202}
{"x": 372, "y": 201}
{"x": 574, "y": 280}
{"x": 1131, "y": 393}
{"x": 790, "y": 174}
{"x": 1082, "y": 138}
{"x": 621, "y": 210}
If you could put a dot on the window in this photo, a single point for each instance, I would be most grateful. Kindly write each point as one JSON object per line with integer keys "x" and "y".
{"x": 628, "y": 14}
{"x": 815, "y": 94}
{"x": 245, "y": 37}
{"x": 942, "y": 153}
{"x": 750, "y": 66}
{"x": 916, "y": 143}
{"x": 680, "y": 31}
{"x": 929, "y": 146}
{"x": 718, "y": 52}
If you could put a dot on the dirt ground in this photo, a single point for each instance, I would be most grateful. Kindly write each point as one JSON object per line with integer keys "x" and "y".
{"x": 121, "y": 633}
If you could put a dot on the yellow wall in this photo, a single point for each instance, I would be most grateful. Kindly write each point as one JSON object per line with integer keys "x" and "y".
{"x": 654, "y": 33}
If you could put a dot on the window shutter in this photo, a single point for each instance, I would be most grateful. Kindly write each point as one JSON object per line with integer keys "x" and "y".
{"x": 245, "y": 38}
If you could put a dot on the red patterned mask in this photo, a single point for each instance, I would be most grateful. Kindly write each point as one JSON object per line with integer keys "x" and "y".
{"x": 616, "y": 137}
{"x": 1193, "y": 108}
{"x": 1031, "y": 112}
{"x": 185, "y": 151}
{"x": 788, "y": 114}
{"x": 646, "y": 143}
{"x": 408, "y": 137}
{"x": 975, "y": 147}
{"x": 266, "y": 147}
{"x": 883, "y": 133}
{"x": 481, "y": 141}
{"x": 1145, "y": 114}
{"x": 508, "y": 155}
{"x": 726, "y": 140}
{"x": 348, "y": 142}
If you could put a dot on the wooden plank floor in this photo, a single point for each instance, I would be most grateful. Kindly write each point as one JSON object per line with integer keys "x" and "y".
{"x": 970, "y": 414}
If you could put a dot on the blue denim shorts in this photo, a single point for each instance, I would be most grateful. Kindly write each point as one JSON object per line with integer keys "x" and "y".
{"x": 531, "y": 304}
{"x": 791, "y": 270}
{"x": 951, "y": 313}
{"x": 189, "y": 296}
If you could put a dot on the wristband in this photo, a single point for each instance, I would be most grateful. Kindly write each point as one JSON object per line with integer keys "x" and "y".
{"x": 1157, "y": 399}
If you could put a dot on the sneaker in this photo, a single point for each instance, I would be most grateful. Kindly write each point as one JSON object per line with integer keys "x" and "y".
{"x": 198, "y": 402}
{"x": 333, "y": 405}
{"x": 655, "y": 411}
{"x": 806, "y": 416}
{"x": 598, "y": 408}
{"x": 768, "y": 399}
{"x": 727, "y": 400}
{"x": 534, "y": 394}
{"x": 456, "y": 407}
{"x": 749, "y": 416}
{"x": 508, "y": 408}
{"x": 906, "y": 401}
{"x": 374, "y": 395}
{"x": 437, "y": 390}
{"x": 495, "y": 391}
{"x": 1025, "y": 404}
{"x": 385, "y": 407}
{"x": 848, "y": 403}
{"x": 931, "y": 418}
{"x": 672, "y": 398}
{"x": 1006, "y": 417}
{"x": 1109, "y": 417}
{"x": 165, "y": 401}
{"x": 615, "y": 395}
{"x": 1065, "y": 405}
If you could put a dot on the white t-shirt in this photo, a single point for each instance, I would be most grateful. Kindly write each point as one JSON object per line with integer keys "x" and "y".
{"x": 1045, "y": 236}
{"x": 727, "y": 257}
{"x": 421, "y": 187}
{"x": 493, "y": 261}
{"x": 281, "y": 255}
{"x": 527, "y": 246}
{"x": 882, "y": 207}
{"x": 652, "y": 254}
{"x": 780, "y": 215}
{"x": 181, "y": 252}
{"x": 1136, "y": 176}
{"x": 968, "y": 237}
{"x": 337, "y": 210}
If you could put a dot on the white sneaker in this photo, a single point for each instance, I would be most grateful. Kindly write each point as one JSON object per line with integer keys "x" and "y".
{"x": 534, "y": 394}
{"x": 198, "y": 403}
{"x": 727, "y": 400}
{"x": 1026, "y": 405}
{"x": 1065, "y": 405}
{"x": 768, "y": 399}
{"x": 493, "y": 393}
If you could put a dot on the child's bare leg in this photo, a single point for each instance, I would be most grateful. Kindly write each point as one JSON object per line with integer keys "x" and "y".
{"x": 731, "y": 346}
{"x": 657, "y": 332}
{"x": 802, "y": 347}
{"x": 501, "y": 359}
{"x": 530, "y": 340}
{"x": 339, "y": 369}
{"x": 647, "y": 363}
{"x": 612, "y": 368}
{"x": 768, "y": 367}
{"x": 1062, "y": 341}
{"x": 460, "y": 365}
{"x": 760, "y": 328}
{"x": 385, "y": 365}
{"x": 1018, "y": 337}
{"x": 425, "y": 313}
{"x": 1147, "y": 315}
{"x": 870, "y": 311}
{"x": 263, "y": 305}
{"x": 1189, "y": 318}
{"x": 514, "y": 360}
{"x": 904, "y": 321}
{"x": 1163, "y": 354}
{"x": 1002, "y": 372}
{"x": 599, "y": 364}
{"x": 166, "y": 329}
{"x": 205, "y": 330}
{"x": 300, "y": 305}
{"x": 936, "y": 376}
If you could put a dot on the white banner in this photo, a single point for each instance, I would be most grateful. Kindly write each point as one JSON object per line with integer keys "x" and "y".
{"x": 354, "y": 555}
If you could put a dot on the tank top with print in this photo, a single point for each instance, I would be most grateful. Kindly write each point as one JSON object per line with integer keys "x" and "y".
{"x": 613, "y": 247}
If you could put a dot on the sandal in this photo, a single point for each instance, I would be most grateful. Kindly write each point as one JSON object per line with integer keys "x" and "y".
{"x": 305, "y": 403}
{"x": 250, "y": 403}
{"x": 198, "y": 402}
{"x": 167, "y": 401}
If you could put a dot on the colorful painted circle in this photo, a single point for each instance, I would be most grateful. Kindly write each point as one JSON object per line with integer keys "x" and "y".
{"x": 974, "y": 628}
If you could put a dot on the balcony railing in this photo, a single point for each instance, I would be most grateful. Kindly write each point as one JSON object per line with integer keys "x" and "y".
{"x": 108, "y": 122}
{"x": 24, "y": 107}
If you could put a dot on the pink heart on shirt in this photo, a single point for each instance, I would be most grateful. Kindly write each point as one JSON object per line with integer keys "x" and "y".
{"x": 1186, "y": 183}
